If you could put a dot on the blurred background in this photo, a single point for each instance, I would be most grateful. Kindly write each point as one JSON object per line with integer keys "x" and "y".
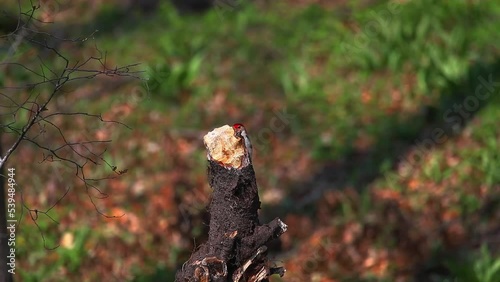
{"x": 374, "y": 125}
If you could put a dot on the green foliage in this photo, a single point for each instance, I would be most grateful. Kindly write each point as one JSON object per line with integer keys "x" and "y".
{"x": 71, "y": 257}
{"x": 275, "y": 54}
{"x": 161, "y": 273}
{"x": 487, "y": 160}
{"x": 436, "y": 40}
{"x": 485, "y": 267}
{"x": 168, "y": 81}
{"x": 67, "y": 257}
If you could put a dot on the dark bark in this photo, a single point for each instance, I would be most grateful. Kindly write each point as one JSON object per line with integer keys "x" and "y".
{"x": 236, "y": 240}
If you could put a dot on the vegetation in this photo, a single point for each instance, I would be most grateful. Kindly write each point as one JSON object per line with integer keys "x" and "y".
{"x": 372, "y": 139}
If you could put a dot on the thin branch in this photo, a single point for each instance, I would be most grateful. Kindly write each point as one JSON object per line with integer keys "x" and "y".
{"x": 49, "y": 83}
{"x": 34, "y": 216}
{"x": 88, "y": 115}
{"x": 26, "y": 129}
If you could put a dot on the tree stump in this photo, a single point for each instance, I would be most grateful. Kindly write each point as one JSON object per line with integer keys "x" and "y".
{"x": 236, "y": 248}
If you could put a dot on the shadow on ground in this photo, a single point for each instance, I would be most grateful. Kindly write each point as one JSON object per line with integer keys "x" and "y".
{"x": 360, "y": 168}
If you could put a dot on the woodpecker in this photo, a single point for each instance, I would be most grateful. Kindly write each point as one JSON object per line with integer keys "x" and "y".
{"x": 241, "y": 132}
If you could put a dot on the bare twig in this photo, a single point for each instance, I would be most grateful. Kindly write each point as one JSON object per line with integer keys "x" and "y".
{"x": 24, "y": 107}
